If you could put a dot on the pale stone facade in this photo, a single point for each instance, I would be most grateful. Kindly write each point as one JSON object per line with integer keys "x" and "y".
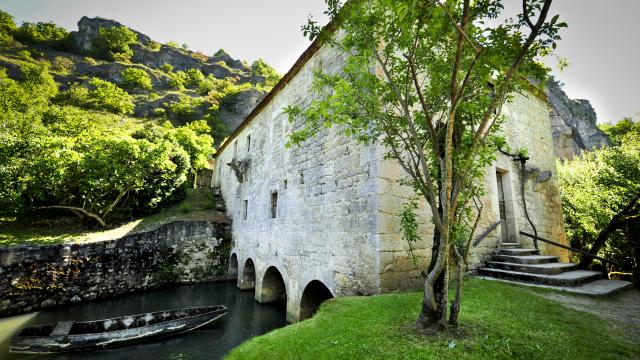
{"x": 336, "y": 202}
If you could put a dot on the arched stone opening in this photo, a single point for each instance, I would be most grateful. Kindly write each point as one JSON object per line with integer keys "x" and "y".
{"x": 314, "y": 294}
{"x": 273, "y": 286}
{"x": 232, "y": 272}
{"x": 248, "y": 279}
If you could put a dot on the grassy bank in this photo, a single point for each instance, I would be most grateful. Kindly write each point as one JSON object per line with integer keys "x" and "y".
{"x": 498, "y": 321}
{"x": 196, "y": 206}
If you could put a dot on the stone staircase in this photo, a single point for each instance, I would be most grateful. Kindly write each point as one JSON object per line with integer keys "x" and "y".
{"x": 529, "y": 267}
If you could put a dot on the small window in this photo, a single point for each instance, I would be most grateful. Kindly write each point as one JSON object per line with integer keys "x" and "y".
{"x": 285, "y": 183}
{"x": 245, "y": 205}
{"x": 235, "y": 150}
{"x": 248, "y": 143}
{"x": 301, "y": 177}
{"x": 274, "y": 205}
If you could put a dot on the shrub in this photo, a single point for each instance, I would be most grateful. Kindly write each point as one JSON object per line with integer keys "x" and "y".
{"x": 261, "y": 68}
{"x": 99, "y": 95}
{"x": 90, "y": 60}
{"x": 42, "y": 32}
{"x": 114, "y": 43}
{"x": 177, "y": 80}
{"x": 7, "y": 28}
{"x": 24, "y": 54}
{"x": 159, "y": 112}
{"x": 63, "y": 64}
{"x": 185, "y": 107}
{"x": 133, "y": 78}
{"x": 194, "y": 78}
{"x": 167, "y": 67}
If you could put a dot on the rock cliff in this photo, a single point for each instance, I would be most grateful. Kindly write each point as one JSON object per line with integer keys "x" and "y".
{"x": 573, "y": 123}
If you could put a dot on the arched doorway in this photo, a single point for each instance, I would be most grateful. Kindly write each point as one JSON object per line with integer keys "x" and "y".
{"x": 232, "y": 272}
{"x": 314, "y": 294}
{"x": 273, "y": 287}
{"x": 248, "y": 280}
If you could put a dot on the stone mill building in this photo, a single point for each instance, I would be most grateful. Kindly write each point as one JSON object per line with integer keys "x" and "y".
{"x": 321, "y": 220}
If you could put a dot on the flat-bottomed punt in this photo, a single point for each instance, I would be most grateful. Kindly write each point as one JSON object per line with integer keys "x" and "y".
{"x": 67, "y": 336}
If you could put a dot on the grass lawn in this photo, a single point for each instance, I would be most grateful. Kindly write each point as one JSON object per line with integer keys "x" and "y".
{"x": 196, "y": 206}
{"x": 498, "y": 321}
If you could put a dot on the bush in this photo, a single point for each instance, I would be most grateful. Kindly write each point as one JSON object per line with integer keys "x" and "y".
{"x": 261, "y": 68}
{"x": 7, "y": 28}
{"x": 114, "y": 43}
{"x": 99, "y": 95}
{"x": 133, "y": 78}
{"x": 42, "y": 32}
{"x": 185, "y": 107}
{"x": 194, "y": 78}
{"x": 63, "y": 65}
{"x": 177, "y": 80}
{"x": 168, "y": 68}
{"x": 600, "y": 192}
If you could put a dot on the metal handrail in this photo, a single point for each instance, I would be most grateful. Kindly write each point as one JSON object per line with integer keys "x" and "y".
{"x": 569, "y": 248}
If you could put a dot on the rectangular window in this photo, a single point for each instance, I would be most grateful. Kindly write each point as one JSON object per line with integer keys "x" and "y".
{"x": 248, "y": 143}
{"x": 274, "y": 205}
{"x": 245, "y": 205}
{"x": 235, "y": 150}
{"x": 301, "y": 177}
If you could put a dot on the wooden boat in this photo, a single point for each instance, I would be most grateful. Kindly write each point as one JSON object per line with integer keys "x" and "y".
{"x": 91, "y": 335}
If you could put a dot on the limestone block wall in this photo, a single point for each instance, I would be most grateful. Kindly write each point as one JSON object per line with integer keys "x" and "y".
{"x": 326, "y": 216}
{"x": 35, "y": 277}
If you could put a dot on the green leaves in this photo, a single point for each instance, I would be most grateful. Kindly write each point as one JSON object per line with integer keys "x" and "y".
{"x": 133, "y": 78}
{"x": 114, "y": 43}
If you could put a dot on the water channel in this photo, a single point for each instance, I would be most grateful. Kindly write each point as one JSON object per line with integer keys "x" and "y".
{"x": 246, "y": 318}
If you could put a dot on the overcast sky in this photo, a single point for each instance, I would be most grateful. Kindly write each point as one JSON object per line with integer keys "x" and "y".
{"x": 602, "y": 43}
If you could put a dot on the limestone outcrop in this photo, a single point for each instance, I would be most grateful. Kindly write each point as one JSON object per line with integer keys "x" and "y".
{"x": 573, "y": 124}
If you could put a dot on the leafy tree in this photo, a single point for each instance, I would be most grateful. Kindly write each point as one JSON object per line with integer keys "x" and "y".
{"x": 7, "y": 28}
{"x": 261, "y": 68}
{"x": 617, "y": 131}
{"x": 601, "y": 202}
{"x": 194, "y": 78}
{"x": 133, "y": 78}
{"x": 114, "y": 43}
{"x": 99, "y": 95}
{"x": 41, "y": 32}
{"x": 415, "y": 77}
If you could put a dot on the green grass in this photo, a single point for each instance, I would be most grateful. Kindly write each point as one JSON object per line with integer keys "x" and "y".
{"x": 196, "y": 206}
{"x": 498, "y": 321}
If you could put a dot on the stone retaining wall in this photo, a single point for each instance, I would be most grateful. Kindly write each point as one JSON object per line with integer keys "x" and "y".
{"x": 35, "y": 277}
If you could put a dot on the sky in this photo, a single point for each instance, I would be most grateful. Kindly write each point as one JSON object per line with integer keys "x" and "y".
{"x": 602, "y": 43}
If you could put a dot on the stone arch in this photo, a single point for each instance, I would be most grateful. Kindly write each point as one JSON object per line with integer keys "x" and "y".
{"x": 314, "y": 294}
{"x": 248, "y": 279}
{"x": 273, "y": 286}
{"x": 232, "y": 272}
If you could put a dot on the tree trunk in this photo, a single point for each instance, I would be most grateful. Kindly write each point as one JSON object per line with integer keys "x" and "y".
{"x": 76, "y": 209}
{"x": 429, "y": 318}
{"x": 455, "y": 305}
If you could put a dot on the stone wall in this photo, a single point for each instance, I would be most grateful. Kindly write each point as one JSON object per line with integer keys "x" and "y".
{"x": 35, "y": 277}
{"x": 326, "y": 205}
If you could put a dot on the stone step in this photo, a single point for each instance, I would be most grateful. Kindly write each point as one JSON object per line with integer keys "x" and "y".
{"x": 544, "y": 268}
{"x": 509, "y": 245}
{"x": 526, "y": 259}
{"x": 518, "y": 251}
{"x": 600, "y": 287}
{"x": 569, "y": 278}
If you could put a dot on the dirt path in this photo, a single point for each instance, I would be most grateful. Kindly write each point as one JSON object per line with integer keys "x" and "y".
{"x": 621, "y": 311}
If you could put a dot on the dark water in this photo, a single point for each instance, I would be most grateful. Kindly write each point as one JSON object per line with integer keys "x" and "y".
{"x": 246, "y": 318}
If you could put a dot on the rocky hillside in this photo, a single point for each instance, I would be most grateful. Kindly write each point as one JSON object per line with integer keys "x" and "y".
{"x": 184, "y": 85}
{"x": 573, "y": 124}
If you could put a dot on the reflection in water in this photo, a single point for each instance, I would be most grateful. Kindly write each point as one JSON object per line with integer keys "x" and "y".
{"x": 246, "y": 318}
